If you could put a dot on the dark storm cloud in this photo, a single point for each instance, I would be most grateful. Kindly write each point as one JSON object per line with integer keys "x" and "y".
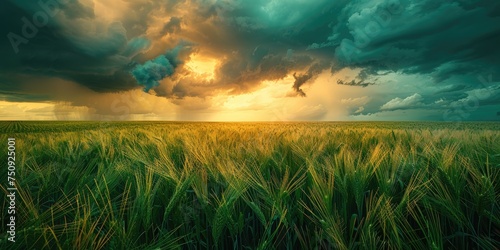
{"x": 441, "y": 38}
{"x": 173, "y": 25}
{"x": 438, "y": 38}
{"x": 259, "y": 41}
{"x": 151, "y": 72}
{"x": 354, "y": 83}
{"x": 242, "y": 72}
{"x": 301, "y": 79}
{"x": 36, "y": 46}
{"x": 253, "y": 41}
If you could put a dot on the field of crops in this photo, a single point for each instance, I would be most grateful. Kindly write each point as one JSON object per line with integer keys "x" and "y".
{"x": 345, "y": 185}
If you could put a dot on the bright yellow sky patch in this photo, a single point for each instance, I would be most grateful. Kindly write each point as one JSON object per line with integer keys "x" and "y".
{"x": 26, "y": 110}
{"x": 259, "y": 99}
{"x": 271, "y": 101}
{"x": 202, "y": 66}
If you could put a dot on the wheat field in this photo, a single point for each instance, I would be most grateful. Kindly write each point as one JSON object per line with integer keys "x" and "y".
{"x": 179, "y": 185}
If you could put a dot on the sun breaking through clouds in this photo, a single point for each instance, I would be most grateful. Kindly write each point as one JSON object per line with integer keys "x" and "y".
{"x": 250, "y": 60}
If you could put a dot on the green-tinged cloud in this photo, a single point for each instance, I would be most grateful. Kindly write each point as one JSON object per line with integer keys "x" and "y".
{"x": 151, "y": 72}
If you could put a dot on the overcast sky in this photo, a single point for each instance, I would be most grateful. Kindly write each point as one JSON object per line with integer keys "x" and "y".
{"x": 255, "y": 60}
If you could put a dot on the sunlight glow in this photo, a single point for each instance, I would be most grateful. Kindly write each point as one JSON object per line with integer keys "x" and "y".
{"x": 202, "y": 66}
{"x": 27, "y": 110}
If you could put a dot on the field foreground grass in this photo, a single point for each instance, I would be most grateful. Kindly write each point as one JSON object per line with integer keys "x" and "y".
{"x": 154, "y": 185}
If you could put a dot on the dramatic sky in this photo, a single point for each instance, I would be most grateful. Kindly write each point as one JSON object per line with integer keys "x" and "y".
{"x": 257, "y": 60}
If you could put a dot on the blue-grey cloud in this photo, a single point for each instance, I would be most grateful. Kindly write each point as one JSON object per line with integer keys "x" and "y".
{"x": 65, "y": 41}
{"x": 440, "y": 38}
{"x": 151, "y": 72}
